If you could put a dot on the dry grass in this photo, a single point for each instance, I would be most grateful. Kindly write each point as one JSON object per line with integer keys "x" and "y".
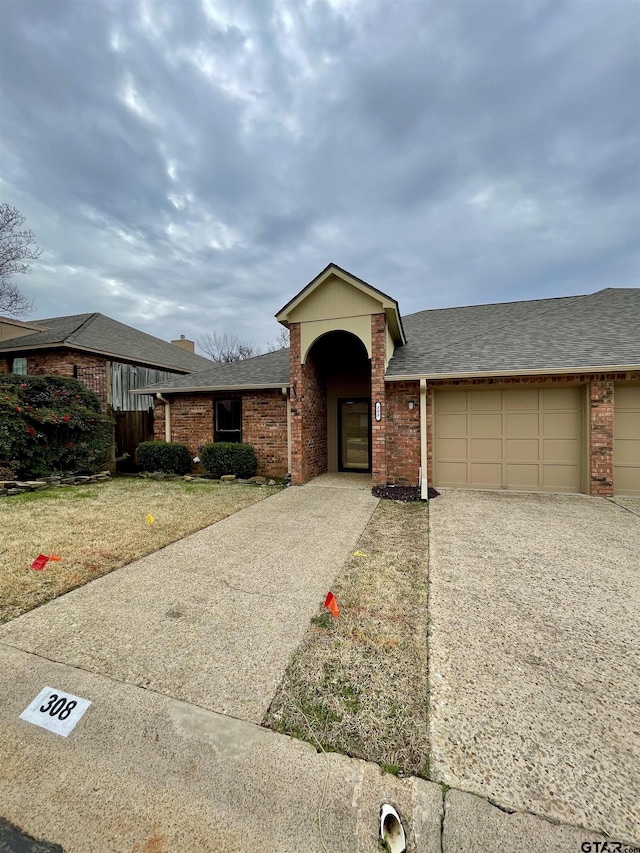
{"x": 98, "y": 528}
{"x": 358, "y": 684}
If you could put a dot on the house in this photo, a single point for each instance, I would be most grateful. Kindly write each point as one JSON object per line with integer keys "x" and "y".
{"x": 542, "y": 395}
{"x": 109, "y": 357}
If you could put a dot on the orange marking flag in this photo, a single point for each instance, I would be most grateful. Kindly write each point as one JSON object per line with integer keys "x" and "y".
{"x": 332, "y": 605}
{"x": 41, "y": 561}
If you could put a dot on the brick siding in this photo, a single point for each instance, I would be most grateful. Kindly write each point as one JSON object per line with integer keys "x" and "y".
{"x": 92, "y": 369}
{"x": 378, "y": 395}
{"x": 264, "y": 424}
{"x": 308, "y": 414}
{"x": 403, "y": 433}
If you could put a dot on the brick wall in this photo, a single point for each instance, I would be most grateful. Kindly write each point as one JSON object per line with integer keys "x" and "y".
{"x": 308, "y": 414}
{"x": 601, "y": 436}
{"x": 92, "y": 369}
{"x": 264, "y": 424}
{"x": 403, "y": 433}
{"x": 378, "y": 395}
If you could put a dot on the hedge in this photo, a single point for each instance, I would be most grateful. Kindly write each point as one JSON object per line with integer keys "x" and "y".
{"x": 51, "y": 424}
{"x": 223, "y": 457}
{"x": 165, "y": 456}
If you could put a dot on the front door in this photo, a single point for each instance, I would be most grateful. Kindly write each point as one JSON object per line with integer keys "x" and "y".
{"x": 354, "y": 434}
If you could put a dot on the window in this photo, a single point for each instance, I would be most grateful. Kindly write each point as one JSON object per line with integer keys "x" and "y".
{"x": 19, "y": 366}
{"x": 228, "y": 425}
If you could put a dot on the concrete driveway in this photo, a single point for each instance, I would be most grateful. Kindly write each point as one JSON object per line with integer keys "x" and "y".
{"x": 534, "y": 654}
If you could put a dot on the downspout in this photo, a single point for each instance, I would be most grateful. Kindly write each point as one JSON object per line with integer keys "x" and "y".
{"x": 287, "y": 396}
{"x": 167, "y": 416}
{"x": 424, "y": 480}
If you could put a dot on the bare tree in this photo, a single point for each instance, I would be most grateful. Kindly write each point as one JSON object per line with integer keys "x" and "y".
{"x": 225, "y": 347}
{"x": 16, "y": 247}
{"x": 281, "y": 342}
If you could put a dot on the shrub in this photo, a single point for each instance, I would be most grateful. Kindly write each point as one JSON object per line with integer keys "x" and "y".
{"x": 165, "y": 456}
{"x": 51, "y": 423}
{"x": 224, "y": 457}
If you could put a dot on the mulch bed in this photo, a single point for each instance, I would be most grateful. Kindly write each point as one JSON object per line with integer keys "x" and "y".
{"x": 401, "y": 493}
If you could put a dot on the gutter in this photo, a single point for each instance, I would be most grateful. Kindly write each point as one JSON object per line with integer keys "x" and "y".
{"x": 167, "y": 416}
{"x": 205, "y": 389}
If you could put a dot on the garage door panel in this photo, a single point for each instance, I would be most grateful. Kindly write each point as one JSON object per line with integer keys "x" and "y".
{"x": 486, "y": 449}
{"x": 523, "y": 476}
{"x": 627, "y": 481}
{"x": 627, "y": 425}
{"x": 560, "y": 424}
{"x": 452, "y": 401}
{"x": 452, "y": 426}
{"x": 627, "y": 397}
{"x": 486, "y": 425}
{"x": 561, "y": 450}
{"x": 485, "y": 401}
{"x": 451, "y": 449}
{"x": 552, "y": 399}
{"x": 512, "y": 438}
{"x": 522, "y": 425}
{"x": 522, "y": 450}
{"x": 453, "y": 473}
{"x": 627, "y": 452}
{"x": 486, "y": 474}
{"x": 521, "y": 399}
{"x": 561, "y": 478}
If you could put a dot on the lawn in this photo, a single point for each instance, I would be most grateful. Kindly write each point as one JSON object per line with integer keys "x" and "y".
{"x": 358, "y": 684}
{"x": 98, "y": 528}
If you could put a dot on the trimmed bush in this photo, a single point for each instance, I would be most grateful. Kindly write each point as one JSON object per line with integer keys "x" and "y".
{"x": 51, "y": 423}
{"x": 226, "y": 457}
{"x": 167, "y": 457}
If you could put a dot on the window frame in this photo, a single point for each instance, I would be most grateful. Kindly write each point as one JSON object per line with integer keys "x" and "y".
{"x": 234, "y": 435}
{"x": 21, "y": 372}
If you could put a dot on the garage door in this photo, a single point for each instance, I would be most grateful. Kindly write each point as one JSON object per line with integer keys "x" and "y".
{"x": 526, "y": 439}
{"x": 626, "y": 440}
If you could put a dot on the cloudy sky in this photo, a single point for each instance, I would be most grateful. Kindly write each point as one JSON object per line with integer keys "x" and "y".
{"x": 188, "y": 166}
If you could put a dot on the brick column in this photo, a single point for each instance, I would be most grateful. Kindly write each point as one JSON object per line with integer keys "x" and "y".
{"x": 378, "y": 395}
{"x": 601, "y": 437}
{"x": 295, "y": 379}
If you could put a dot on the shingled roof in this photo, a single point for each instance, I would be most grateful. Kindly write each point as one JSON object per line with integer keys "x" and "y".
{"x": 596, "y": 332}
{"x": 593, "y": 332}
{"x": 100, "y": 334}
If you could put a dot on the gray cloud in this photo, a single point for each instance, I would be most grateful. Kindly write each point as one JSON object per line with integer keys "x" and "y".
{"x": 189, "y": 166}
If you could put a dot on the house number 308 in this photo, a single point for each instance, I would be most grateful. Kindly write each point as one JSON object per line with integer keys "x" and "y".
{"x": 58, "y": 707}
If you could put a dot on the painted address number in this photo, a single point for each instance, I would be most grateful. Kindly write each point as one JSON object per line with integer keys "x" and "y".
{"x": 55, "y": 710}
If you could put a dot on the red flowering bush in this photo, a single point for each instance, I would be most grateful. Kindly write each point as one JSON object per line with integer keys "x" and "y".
{"x": 51, "y": 423}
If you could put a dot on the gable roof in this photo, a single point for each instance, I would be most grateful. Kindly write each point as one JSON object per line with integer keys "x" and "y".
{"x": 99, "y": 334}
{"x": 593, "y": 332}
{"x": 389, "y": 305}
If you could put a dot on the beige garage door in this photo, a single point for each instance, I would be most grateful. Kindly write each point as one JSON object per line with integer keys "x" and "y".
{"x": 626, "y": 440}
{"x": 526, "y": 439}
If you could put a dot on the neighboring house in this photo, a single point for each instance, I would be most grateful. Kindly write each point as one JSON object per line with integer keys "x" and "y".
{"x": 540, "y": 396}
{"x": 109, "y": 357}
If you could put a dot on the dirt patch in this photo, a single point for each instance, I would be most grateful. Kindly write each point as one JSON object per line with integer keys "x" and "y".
{"x": 98, "y": 528}
{"x": 358, "y": 683}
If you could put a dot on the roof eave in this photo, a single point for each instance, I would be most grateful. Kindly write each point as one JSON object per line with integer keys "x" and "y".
{"x": 533, "y": 371}
{"x": 204, "y": 389}
{"x": 105, "y": 353}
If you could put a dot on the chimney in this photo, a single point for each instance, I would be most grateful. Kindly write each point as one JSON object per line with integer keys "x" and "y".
{"x": 184, "y": 343}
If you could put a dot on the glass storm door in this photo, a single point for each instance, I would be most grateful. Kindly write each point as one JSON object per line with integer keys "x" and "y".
{"x": 354, "y": 435}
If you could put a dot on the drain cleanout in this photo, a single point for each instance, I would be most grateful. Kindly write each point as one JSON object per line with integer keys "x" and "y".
{"x": 391, "y": 829}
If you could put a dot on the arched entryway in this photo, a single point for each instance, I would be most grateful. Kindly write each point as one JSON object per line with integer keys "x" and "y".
{"x": 339, "y": 433}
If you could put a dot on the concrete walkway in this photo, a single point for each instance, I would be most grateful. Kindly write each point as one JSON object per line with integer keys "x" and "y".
{"x": 214, "y": 618}
{"x": 160, "y": 648}
{"x": 534, "y": 607}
